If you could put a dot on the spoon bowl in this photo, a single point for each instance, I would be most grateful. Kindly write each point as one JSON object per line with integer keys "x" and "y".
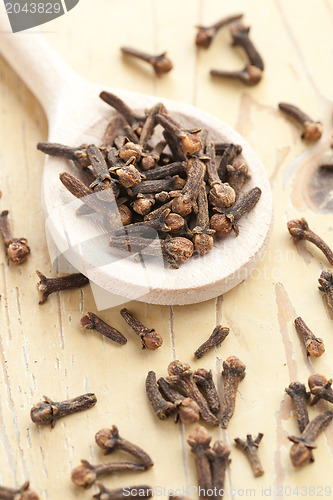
{"x": 76, "y": 115}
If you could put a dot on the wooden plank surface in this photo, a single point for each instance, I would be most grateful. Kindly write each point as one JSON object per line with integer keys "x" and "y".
{"x": 43, "y": 349}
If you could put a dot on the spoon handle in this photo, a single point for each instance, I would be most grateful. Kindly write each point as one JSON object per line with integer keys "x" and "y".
{"x": 42, "y": 70}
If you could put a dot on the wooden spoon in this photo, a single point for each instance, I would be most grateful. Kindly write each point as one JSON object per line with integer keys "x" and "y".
{"x": 76, "y": 115}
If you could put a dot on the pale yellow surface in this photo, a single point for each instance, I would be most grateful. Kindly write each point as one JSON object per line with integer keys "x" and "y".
{"x": 43, "y": 349}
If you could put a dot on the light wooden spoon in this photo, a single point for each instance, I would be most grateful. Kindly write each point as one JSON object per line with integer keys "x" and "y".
{"x": 76, "y": 115}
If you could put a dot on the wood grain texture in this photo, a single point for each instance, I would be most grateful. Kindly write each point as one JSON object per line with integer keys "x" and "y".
{"x": 43, "y": 349}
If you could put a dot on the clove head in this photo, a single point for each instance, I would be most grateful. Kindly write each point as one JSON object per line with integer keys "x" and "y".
{"x": 312, "y": 131}
{"x": 179, "y": 249}
{"x": 222, "y": 195}
{"x": 297, "y": 228}
{"x": 191, "y": 143}
{"x": 129, "y": 176}
{"x": 204, "y": 37}
{"x": 251, "y": 75}
{"x": 317, "y": 383}
{"x": 130, "y": 149}
{"x": 143, "y": 204}
{"x": 300, "y": 454}
{"x": 188, "y": 411}
{"x": 43, "y": 413}
{"x": 221, "y": 225}
{"x": 181, "y": 205}
{"x": 161, "y": 64}
{"x": 175, "y": 222}
{"x": 83, "y": 475}
{"x": 125, "y": 214}
{"x": 203, "y": 243}
{"x": 18, "y": 250}
{"x": 199, "y": 439}
{"x": 102, "y": 439}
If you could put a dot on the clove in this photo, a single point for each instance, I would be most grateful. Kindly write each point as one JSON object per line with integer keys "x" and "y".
{"x": 221, "y": 194}
{"x": 185, "y": 200}
{"x": 155, "y": 186}
{"x": 110, "y": 440}
{"x": 326, "y": 285}
{"x": 86, "y": 474}
{"x": 215, "y": 340}
{"x": 240, "y": 37}
{"x": 199, "y": 441}
{"x": 298, "y": 394}
{"x": 161, "y": 63}
{"x": 131, "y": 118}
{"x": 250, "y": 75}
{"x": 301, "y": 450}
{"x": 227, "y": 219}
{"x": 189, "y": 141}
{"x": 143, "y": 204}
{"x": 161, "y": 407}
{"x": 150, "y": 339}
{"x": 233, "y": 373}
{"x": 237, "y": 175}
{"x": 92, "y": 322}
{"x": 204, "y": 379}
{"x": 22, "y": 493}
{"x": 51, "y": 285}
{"x": 180, "y": 374}
{"x": 321, "y": 388}
{"x": 251, "y": 449}
{"x": 206, "y": 34}
{"x": 48, "y": 411}
{"x": 77, "y": 155}
{"x": 219, "y": 460}
{"x": 299, "y": 230}
{"x": 312, "y": 130}
{"x": 314, "y": 346}
{"x": 203, "y": 235}
{"x": 188, "y": 411}
{"x": 17, "y": 249}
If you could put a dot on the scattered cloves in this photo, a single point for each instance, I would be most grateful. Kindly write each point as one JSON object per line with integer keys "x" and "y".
{"x": 161, "y": 407}
{"x": 314, "y": 346}
{"x": 86, "y": 474}
{"x": 22, "y": 493}
{"x": 219, "y": 460}
{"x": 150, "y": 339}
{"x": 233, "y": 373}
{"x": 110, "y": 440}
{"x": 50, "y": 285}
{"x": 299, "y": 230}
{"x": 326, "y": 285}
{"x": 92, "y": 322}
{"x": 312, "y": 130}
{"x": 206, "y": 34}
{"x": 48, "y": 411}
{"x": 204, "y": 379}
{"x": 251, "y": 449}
{"x": 160, "y": 63}
{"x": 199, "y": 441}
{"x": 301, "y": 450}
{"x": 321, "y": 388}
{"x": 17, "y": 249}
{"x": 250, "y": 75}
{"x": 215, "y": 340}
{"x": 188, "y": 411}
{"x": 181, "y": 375}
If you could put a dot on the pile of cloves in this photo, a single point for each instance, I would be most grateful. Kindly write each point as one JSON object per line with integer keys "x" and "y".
{"x": 182, "y": 188}
{"x": 109, "y": 440}
{"x": 251, "y": 74}
{"x": 301, "y": 452}
{"x": 192, "y": 394}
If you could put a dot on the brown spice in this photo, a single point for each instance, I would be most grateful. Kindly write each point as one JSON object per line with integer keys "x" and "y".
{"x": 215, "y": 340}
{"x": 314, "y": 346}
{"x": 219, "y": 460}
{"x": 51, "y": 285}
{"x": 161, "y": 63}
{"x": 240, "y": 37}
{"x": 86, "y": 474}
{"x": 199, "y": 441}
{"x": 204, "y": 379}
{"x": 299, "y": 230}
{"x": 17, "y": 249}
{"x": 312, "y": 130}
{"x": 233, "y": 373}
{"x": 48, "y": 411}
{"x": 92, "y": 322}
{"x": 22, "y": 493}
{"x": 299, "y": 395}
{"x": 206, "y": 34}
{"x": 251, "y": 449}
{"x": 250, "y": 75}
{"x": 188, "y": 411}
{"x": 150, "y": 338}
{"x": 321, "y": 388}
{"x": 161, "y": 407}
{"x": 326, "y": 285}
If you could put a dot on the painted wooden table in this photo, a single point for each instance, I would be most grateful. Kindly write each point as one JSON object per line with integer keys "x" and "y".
{"x": 43, "y": 349}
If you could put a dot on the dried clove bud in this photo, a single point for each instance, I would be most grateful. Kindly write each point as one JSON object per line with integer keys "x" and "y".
{"x": 189, "y": 140}
{"x": 22, "y": 493}
{"x": 219, "y": 460}
{"x": 86, "y": 474}
{"x": 300, "y": 452}
{"x": 321, "y": 388}
{"x": 131, "y": 118}
{"x": 240, "y": 37}
{"x": 326, "y": 285}
{"x": 110, "y": 440}
{"x": 50, "y": 285}
{"x": 237, "y": 175}
{"x": 298, "y": 394}
{"x": 206, "y": 34}
{"x": 299, "y": 230}
{"x": 203, "y": 235}
{"x": 150, "y": 339}
{"x": 160, "y": 63}
{"x": 251, "y": 449}
{"x": 185, "y": 201}
{"x": 234, "y": 373}
{"x": 314, "y": 346}
{"x": 161, "y": 407}
{"x": 250, "y": 75}
{"x": 199, "y": 441}
{"x": 221, "y": 194}
{"x": 48, "y": 411}
{"x": 215, "y": 340}
{"x": 204, "y": 379}
{"x": 143, "y": 204}
{"x": 92, "y": 322}
{"x": 17, "y": 249}
{"x": 312, "y": 130}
